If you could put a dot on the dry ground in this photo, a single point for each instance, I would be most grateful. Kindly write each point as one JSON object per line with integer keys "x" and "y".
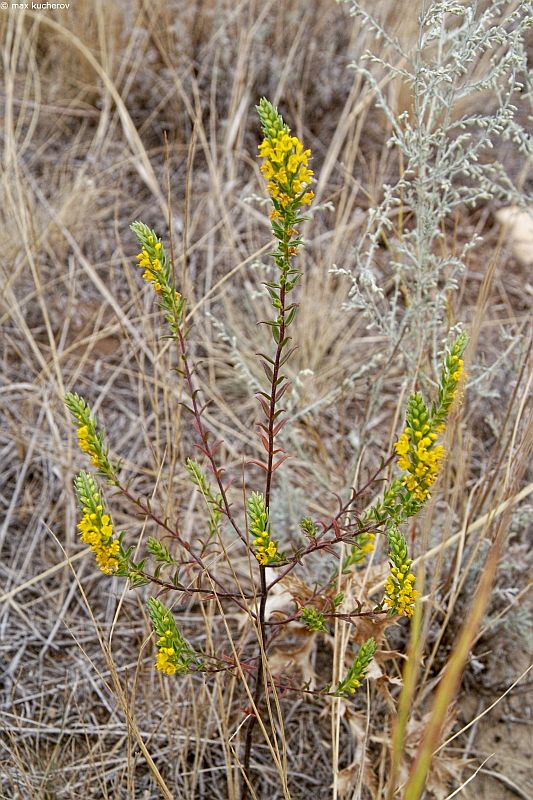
{"x": 117, "y": 111}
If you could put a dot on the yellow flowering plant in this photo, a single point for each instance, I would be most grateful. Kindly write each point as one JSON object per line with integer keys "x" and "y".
{"x": 273, "y": 557}
{"x": 96, "y": 527}
{"x": 90, "y": 440}
{"x": 400, "y": 594}
{"x": 174, "y": 653}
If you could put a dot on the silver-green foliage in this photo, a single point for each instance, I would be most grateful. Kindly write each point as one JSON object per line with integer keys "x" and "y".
{"x": 467, "y": 75}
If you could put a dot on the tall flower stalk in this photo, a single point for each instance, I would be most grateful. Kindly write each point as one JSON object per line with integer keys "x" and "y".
{"x": 285, "y": 166}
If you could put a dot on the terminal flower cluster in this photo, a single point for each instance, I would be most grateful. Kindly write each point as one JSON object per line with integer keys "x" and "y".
{"x": 266, "y": 547}
{"x": 400, "y": 594}
{"x": 153, "y": 260}
{"x": 95, "y": 527}
{"x": 90, "y": 440}
{"x": 174, "y": 653}
{"x": 86, "y": 444}
{"x": 420, "y": 457}
{"x": 286, "y": 169}
{"x": 451, "y": 379}
{"x": 286, "y": 163}
{"x": 151, "y": 264}
{"x": 158, "y": 272}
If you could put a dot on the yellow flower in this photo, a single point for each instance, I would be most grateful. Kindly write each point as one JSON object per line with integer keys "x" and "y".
{"x": 163, "y": 664}
{"x": 286, "y": 169}
{"x": 293, "y": 163}
{"x": 402, "y": 445}
{"x": 267, "y": 169}
{"x": 271, "y": 550}
{"x": 88, "y": 444}
{"x": 265, "y": 149}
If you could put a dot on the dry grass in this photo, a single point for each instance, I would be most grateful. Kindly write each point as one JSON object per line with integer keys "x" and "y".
{"x": 88, "y": 97}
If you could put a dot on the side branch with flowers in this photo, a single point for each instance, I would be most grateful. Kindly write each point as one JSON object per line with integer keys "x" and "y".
{"x": 285, "y": 166}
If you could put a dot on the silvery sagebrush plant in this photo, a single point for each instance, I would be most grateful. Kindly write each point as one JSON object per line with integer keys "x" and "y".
{"x": 466, "y": 75}
{"x": 177, "y": 567}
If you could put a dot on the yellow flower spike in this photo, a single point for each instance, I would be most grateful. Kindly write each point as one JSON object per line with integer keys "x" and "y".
{"x": 400, "y": 594}
{"x": 419, "y": 457}
{"x": 285, "y": 167}
{"x": 451, "y": 379}
{"x": 174, "y": 654}
{"x": 158, "y": 272}
{"x": 266, "y": 548}
{"x": 90, "y": 439}
{"x": 96, "y": 528}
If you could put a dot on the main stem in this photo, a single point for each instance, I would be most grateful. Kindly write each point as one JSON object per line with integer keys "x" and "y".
{"x": 260, "y": 687}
